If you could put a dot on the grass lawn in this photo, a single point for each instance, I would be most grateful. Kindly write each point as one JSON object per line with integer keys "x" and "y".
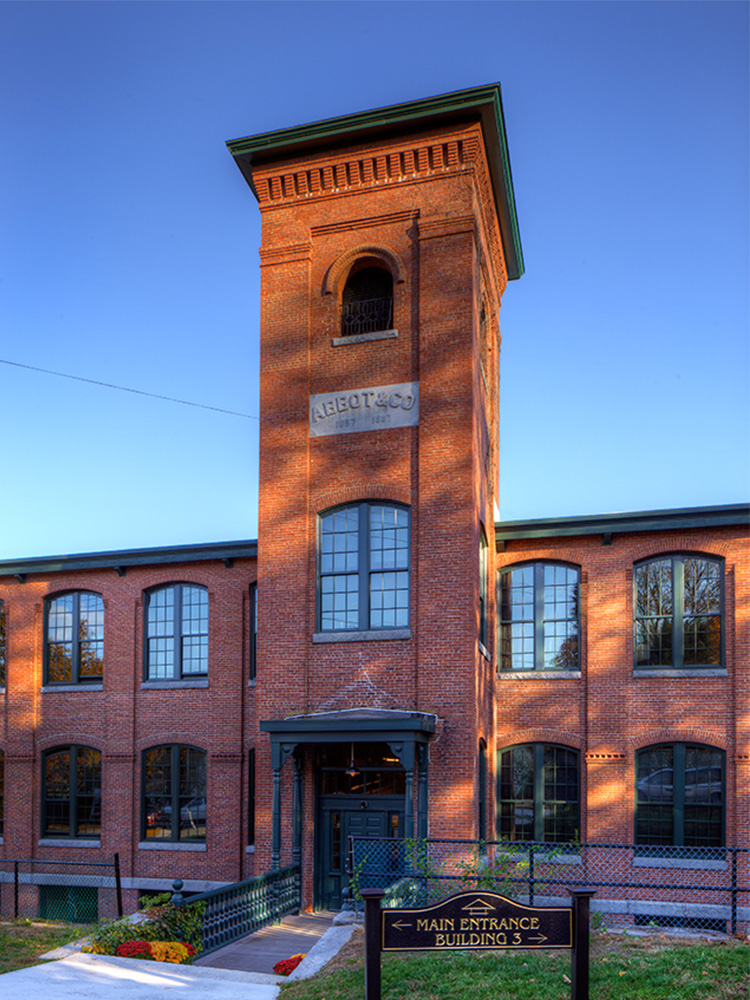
{"x": 23, "y": 941}
{"x": 622, "y": 968}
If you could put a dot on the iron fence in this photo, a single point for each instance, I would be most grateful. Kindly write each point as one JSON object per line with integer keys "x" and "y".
{"x": 703, "y": 889}
{"x": 243, "y": 907}
{"x": 75, "y": 891}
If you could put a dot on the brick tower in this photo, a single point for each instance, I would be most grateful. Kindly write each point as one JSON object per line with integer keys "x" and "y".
{"x": 388, "y": 240}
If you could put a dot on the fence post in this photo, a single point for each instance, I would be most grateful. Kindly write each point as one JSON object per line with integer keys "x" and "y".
{"x": 118, "y": 884}
{"x": 15, "y": 889}
{"x": 734, "y": 890}
{"x": 373, "y": 918}
{"x": 177, "y": 898}
{"x": 531, "y": 875}
{"x": 579, "y": 960}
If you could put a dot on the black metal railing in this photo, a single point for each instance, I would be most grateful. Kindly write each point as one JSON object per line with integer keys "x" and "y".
{"x": 237, "y": 910}
{"x": 704, "y": 888}
{"x": 62, "y": 890}
{"x": 366, "y": 316}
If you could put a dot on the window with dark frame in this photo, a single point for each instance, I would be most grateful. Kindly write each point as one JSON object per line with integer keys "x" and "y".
{"x": 367, "y": 300}
{"x": 3, "y": 641}
{"x": 176, "y": 641}
{"x": 2, "y": 792}
{"x": 251, "y": 797}
{"x": 363, "y": 568}
{"x": 482, "y": 790}
{"x": 173, "y": 794}
{"x": 678, "y": 603}
{"x": 540, "y": 617}
{"x": 72, "y": 792}
{"x": 483, "y": 587}
{"x": 253, "y": 629}
{"x": 538, "y": 794}
{"x": 74, "y": 638}
{"x": 679, "y": 796}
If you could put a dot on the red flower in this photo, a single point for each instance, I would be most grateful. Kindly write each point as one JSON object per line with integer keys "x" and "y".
{"x": 287, "y": 965}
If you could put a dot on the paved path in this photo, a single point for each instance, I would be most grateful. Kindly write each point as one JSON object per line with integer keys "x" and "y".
{"x": 260, "y": 951}
{"x": 237, "y": 972}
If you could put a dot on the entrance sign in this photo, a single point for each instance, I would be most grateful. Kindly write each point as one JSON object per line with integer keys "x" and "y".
{"x": 477, "y": 920}
{"x": 373, "y": 409}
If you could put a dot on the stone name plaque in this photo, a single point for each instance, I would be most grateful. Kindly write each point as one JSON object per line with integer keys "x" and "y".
{"x": 373, "y": 409}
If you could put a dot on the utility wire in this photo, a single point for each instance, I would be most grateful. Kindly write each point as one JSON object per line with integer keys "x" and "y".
{"x": 124, "y": 388}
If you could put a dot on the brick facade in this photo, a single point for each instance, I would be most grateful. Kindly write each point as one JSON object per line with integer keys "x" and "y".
{"x": 425, "y": 196}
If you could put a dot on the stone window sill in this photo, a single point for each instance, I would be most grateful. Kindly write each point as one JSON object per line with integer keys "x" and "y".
{"x": 170, "y": 685}
{"x": 72, "y": 687}
{"x": 538, "y": 675}
{"x": 67, "y": 842}
{"x": 250, "y": 849}
{"x": 376, "y": 635}
{"x": 698, "y": 864}
{"x": 362, "y": 338}
{"x": 641, "y": 672}
{"x": 168, "y": 845}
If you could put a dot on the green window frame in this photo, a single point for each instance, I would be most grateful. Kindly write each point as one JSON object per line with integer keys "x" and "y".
{"x": 74, "y": 638}
{"x": 72, "y": 792}
{"x": 678, "y": 603}
{"x": 175, "y": 634}
{"x": 364, "y": 567}
{"x": 538, "y": 793}
{"x": 540, "y": 617}
{"x": 680, "y": 796}
{"x": 173, "y": 794}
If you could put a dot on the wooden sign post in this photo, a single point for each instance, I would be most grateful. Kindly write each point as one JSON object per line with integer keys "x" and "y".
{"x": 478, "y": 920}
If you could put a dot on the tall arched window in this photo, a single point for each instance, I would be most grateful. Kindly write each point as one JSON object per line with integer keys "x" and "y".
{"x": 540, "y": 617}
{"x": 176, "y": 644}
{"x": 173, "y": 793}
{"x": 74, "y": 638}
{"x": 363, "y": 568}
{"x": 367, "y": 300}
{"x": 72, "y": 802}
{"x": 680, "y": 795}
{"x": 678, "y": 612}
{"x": 538, "y": 797}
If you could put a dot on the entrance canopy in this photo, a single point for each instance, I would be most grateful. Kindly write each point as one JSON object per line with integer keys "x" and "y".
{"x": 402, "y": 731}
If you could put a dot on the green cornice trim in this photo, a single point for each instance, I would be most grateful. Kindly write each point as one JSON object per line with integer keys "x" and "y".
{"x": 483, "y": 102}
{"x": 121, "y": 559}
{"x": 728, "y": 515}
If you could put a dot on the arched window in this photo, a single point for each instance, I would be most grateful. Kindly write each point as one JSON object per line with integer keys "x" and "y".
{"x": 540, "y": 617}
{"x": 538, "y": 797}
{"x": 680, "y": 795}
{"x": 367, "y": 300}
{"x": 173, "y": 793}
{"x": 176, "y": 645}
{"x": 74, "y": 638}
{"x": 678, "y": 612}
{"x": 363, "y": 568}
{"x": 72, "y": 796}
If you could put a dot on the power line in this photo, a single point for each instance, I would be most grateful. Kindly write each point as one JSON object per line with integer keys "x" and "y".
{"x": 124, "y": 388}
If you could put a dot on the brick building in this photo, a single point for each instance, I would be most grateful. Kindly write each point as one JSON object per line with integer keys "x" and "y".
{"x": 386, "y": 659}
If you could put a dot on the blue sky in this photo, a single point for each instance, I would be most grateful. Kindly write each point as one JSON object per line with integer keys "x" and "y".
{"x": 128, "y": 247}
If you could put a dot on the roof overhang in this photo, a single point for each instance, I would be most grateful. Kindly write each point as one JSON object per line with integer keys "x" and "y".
{"x": 482, "y": 104}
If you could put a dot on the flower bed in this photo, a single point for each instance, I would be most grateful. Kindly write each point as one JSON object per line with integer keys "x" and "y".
{"x": 287, "y": 965}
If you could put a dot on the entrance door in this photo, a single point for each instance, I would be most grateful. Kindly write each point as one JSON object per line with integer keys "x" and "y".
{"x": 366, "y": 802}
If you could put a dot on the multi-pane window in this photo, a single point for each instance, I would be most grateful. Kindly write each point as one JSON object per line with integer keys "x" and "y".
{"x": 174, "y": 793}
{"x": 253, "y": 629}
{"x": 74, "y": 638}
{"x": 72, "y": 796}
{"x": 364, "y": 568}
{"x": 538, "y": 794}
{"x": 3, "y": 646}
{"x": 540, "y": 617}
{"x": 176, "y": 632}
{"x": 367, "y": 301}
{"x": 678, "y": 611}
{"x": 680, "y": 796}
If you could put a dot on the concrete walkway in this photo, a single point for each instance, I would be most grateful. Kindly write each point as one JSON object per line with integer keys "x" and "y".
{"x": 237, "y": 972}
